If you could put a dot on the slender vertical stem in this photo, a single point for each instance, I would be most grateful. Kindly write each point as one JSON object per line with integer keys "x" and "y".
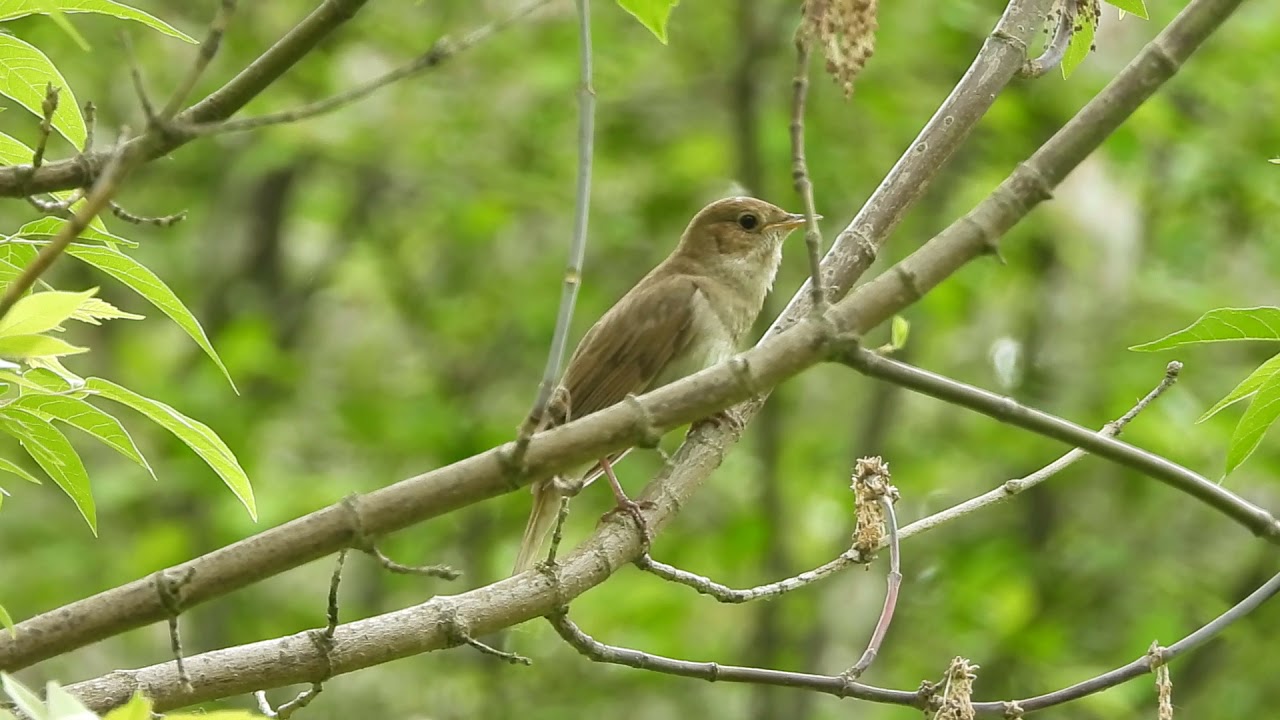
{"x": 582, "y": 204}
{"x": 800, "y": 175}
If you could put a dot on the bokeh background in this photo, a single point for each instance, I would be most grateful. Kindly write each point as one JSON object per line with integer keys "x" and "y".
{"x": 382, "y": 283}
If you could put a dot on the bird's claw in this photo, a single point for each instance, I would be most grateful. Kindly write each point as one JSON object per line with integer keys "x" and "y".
{"x": 634, "y": 508}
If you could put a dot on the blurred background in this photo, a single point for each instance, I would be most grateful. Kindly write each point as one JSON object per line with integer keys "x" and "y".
{"x": 382, "y": 283}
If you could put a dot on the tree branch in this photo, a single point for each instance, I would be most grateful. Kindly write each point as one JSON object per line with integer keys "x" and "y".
{"x": 19, "y": 181}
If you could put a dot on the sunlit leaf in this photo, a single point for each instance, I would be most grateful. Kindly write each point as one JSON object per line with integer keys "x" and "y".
{"x": 138, "y": 708}
{"x": 94, "y": 310}
{"x": 41, "y": 312}
{"x": 11, "y": 9}
{"x": 80, "y": 414}
{"x": 54, "y": 454}
{"x": 197, "y": 436}
{"x": 50, "y": 8}
{"x": 24, "y": 74}
{"x": 1247, "y": 387}
{"x": 899, "y": 330}
{"x": 145, "y": 283}
{"x": 47, "y": 227}
{"x": 1222, "y": 325}
{"x": 64, "y": 706}
{"x": 29, "y": 346}
{"x": 1080, "y": 45}
{"x": 1134, "y": 7}
{"x": 13, "y": 151}
{"x": 7, "y": 621}
{"x": 26, "y": 701}
{"x": 653, "y": 14}
{"x": 1262, "y": 412}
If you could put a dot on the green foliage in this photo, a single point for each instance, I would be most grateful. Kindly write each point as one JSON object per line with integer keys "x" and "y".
{"x": 1086, "y": 28}
{"x": 5, "y": 619}
{"x": 1133, "y": 7}
{"x": 899, "y": 330}
{"x": 13, "y": 9}
{"x": 653, "y": 14}
{"x": 25, "y": 74}
{"x": 1263, "y": 384}
{"x": 39, "y": 391}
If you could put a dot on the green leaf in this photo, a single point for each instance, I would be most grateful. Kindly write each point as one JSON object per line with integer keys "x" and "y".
{"x": 653, "y": 14}
{"x": 13, "y": 151}
{"x": 15, "y": 469}
{"x": 27, "y": 701}
{"x": 49, "y": 226}
{"x": 94, "y": 310}
{"x": 1261, "y": 414}
{"x": 80, "y": 414}
{"x": 19, "y": 8}
{"x": 145, "y": 283}
{"x": 7, "y": 621}
{"x": 1247, "y": 387}
{"x": 51, "y": 364}
{"x": 8, "y": 271}
{"x": 1135, "y": 7}
{"x": 28, "y": 346}
{"x": 64, "y": 706}
{"x": 54, "y": 454}
{"x": 41, "y": 312}
{"x": 138, "y": 708}
{"x": 1080, "y": 45}
{"x": 50, "y": 8}
{"x": 1222, "y": 325}
{"x": 24, "y": 72}
{"x": 197, "y": 436}
{"x": 898, "y": 332}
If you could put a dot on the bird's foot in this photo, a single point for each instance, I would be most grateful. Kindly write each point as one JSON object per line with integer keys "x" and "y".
{"x": 728, "y": 420}
{"x": 634, "y": 509}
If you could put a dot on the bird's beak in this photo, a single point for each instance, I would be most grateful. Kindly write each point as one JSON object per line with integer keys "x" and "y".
{"x": 793, "y": 220}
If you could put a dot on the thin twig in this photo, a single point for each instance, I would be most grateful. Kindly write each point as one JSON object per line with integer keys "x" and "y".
{"x": 1010, "y": 488}
{"x": 47, "y": 108}
{"x": 726, "y": 594}
{"x": 1056, "y": 49}
{"x": 844, "y": 687}
{"x": 208, "y": 49}
{"x": 1007, "y": 410}
{"x": 800, "y": 175}
{"x": 438, "y": 571}
{"x": 97, "y": 200}
{"x": 578, "y": 247}
{"x": 893, "y": 581}
{"x": 442, "y": 50}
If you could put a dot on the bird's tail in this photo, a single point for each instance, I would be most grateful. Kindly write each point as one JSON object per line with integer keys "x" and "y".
{"x": 546, "y": 506}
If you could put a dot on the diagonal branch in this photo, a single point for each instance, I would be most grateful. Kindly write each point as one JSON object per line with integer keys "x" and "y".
{"x": 19, "y": 181}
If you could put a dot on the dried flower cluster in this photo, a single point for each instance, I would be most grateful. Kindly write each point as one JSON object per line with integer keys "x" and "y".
{"x": 870, "y": 484}
{"x": 845, "y": 30}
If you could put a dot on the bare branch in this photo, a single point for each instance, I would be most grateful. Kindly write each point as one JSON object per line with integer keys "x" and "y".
{"x": 726, "y": 594}
{"x": 1013, "y": 487}
{"x": 1007, "y": 410}
{"x": 95, "y": 202}
{"x": 871, "y": 484}
{"x": 208, "y": 49}
{"x": 800, "y": 175}
{"x": 19, "y": 181}
{"x": 440, "y": 51}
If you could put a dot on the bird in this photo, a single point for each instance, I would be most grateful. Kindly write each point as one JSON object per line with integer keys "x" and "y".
{"x": 690, "y": 312}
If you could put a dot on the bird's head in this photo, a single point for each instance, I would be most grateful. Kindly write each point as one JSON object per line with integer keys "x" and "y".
{"x": 739, "y": 234}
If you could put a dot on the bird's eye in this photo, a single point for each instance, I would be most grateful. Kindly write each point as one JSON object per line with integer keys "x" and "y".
{"x": 748, "y": 221}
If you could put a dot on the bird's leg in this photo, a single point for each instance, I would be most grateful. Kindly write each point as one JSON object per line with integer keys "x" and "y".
{"x": 627, "y": 505}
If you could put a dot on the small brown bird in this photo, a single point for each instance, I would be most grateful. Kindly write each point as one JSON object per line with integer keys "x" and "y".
{"x": 689, "y": 313}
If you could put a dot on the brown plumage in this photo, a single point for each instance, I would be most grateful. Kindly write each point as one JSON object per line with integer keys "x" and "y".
{"x": 690, "y": 312}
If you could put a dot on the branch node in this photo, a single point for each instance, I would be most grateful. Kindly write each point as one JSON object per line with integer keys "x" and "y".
{"x": 361, "y": 541}
{"x": 1012, "y": 710}
{"x": 650, "y": 436}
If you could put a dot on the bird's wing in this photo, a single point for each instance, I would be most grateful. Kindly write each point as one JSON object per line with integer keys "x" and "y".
{"x": 608, "y": 365}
